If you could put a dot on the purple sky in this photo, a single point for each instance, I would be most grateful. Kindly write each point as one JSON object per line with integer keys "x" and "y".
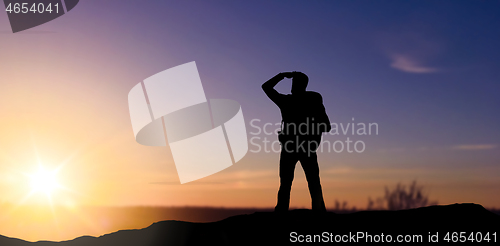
{"x": 426, "y": 72}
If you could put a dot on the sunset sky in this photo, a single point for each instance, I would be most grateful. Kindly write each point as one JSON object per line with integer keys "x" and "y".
{"x": 427, "y": 72}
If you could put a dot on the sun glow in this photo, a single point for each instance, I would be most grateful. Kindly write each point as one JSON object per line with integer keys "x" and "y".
{"x": 44, "y": 181}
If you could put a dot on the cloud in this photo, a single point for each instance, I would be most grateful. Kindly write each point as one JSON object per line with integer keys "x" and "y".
{"x": 475, "y": 147}
{"x": 338, "y": 170}
{"x": 227, "y": 177}
{"x": 391, "y": 150}
{"x": 441, "y": 148}
{"x": 247, "y": 174}
{"x": 411, "y": 51}
{"x": 190, "y": 183}
{"x": 408, "y": 64}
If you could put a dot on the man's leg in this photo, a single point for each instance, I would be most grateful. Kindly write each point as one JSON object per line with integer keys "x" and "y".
{"x": 288, "y": 160}
{"x": 311, "y": 169}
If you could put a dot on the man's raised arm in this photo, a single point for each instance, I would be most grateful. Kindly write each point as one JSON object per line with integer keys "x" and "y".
{"x": 269, "y": 85}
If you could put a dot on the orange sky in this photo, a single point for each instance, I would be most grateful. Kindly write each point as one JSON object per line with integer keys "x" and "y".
{"x": 81, "y": 124}
{"x": 63, "y": 104}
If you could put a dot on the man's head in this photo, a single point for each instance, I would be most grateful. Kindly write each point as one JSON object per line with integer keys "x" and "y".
{"x": 299, "y": 82}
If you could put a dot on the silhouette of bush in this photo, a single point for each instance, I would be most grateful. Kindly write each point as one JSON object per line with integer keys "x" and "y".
{"x": 401, "y": 197}
{"x": 341, "y": 207}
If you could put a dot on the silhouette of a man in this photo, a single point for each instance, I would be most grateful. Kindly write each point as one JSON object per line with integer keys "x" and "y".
{"x": 304, "y": 119}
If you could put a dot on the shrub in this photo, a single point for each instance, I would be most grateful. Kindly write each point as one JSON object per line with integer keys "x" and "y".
{"x": 401, "y": 198}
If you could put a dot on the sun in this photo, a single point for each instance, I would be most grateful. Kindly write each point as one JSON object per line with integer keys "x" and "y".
{"x": 44, "y": 181}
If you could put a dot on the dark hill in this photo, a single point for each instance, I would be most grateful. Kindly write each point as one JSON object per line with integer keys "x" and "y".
{"x": 268, "y": 228}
